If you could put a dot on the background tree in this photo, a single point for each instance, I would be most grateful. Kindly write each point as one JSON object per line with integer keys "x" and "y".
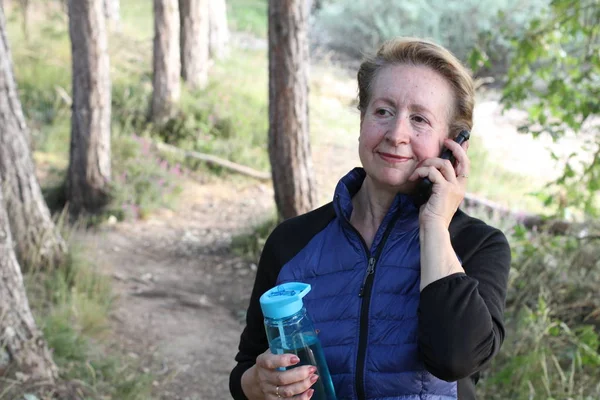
{"x": 219, "y": 30}
{"x": 36, "y": 237}
{"x": 194, "y": 42}
{"x": 21, "y": 340}
{"x": 289, "y": 144}
{"x": 167, "y": 64}
{"x": 89, "y": 164}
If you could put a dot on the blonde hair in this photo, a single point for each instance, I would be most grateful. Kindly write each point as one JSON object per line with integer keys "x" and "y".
{"x": 417, "y": 52}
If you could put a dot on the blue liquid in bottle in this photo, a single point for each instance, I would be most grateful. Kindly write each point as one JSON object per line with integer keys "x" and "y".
{"x": 290, "y": 330}
{"x": 309, "y": 351}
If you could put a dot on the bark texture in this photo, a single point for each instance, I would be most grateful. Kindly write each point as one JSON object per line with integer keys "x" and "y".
{"x": 219, "y": 30}
{"x": 38, "y": 242}
{"x": 289, "y": 143}
{"x": 89, "y": 163}
{"x": 194, "y": 42}
{"x": 167, "y": 64}
{"x": 20, "y": 339}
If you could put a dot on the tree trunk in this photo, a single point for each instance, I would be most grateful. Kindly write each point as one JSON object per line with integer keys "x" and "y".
{"x": 112, "y": 12}
{"x": 37, "y": 240}
{"x": 20, "y": 338}
{"x": 89, "y": 164}
{"x": 194, "y": 42}
{"x": 167, "y": 64}
{"x": 289, "y": 144}
{"x": 219, "y": 30}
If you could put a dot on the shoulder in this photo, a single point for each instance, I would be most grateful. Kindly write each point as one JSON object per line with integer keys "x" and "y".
{"x": 293, "y": 234}
{"x": 463, "y": 224}
{"x": 469, "y": 234}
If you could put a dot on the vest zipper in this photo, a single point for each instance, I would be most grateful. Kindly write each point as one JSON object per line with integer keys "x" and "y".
{"x": 365, "y": 294}
{"x": 370, "y": 271}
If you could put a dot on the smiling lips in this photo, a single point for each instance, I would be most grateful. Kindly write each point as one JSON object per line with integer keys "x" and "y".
{"x": 391, "y": 158}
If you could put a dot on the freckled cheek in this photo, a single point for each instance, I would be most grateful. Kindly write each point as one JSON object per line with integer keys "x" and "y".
{"x": 425, "y": 149}
{"x": 370, "y": 138}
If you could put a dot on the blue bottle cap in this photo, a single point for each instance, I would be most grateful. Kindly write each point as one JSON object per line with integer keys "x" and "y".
{"x": 283, "y": 300}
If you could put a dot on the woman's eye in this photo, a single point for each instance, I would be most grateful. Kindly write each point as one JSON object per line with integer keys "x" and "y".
{"x": 418, "y": 119}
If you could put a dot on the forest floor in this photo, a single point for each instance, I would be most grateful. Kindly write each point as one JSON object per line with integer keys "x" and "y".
{"x": 182, "y": 293}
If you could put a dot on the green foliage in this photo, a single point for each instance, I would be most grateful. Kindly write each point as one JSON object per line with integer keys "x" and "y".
{"x": 131, "y": 104}
{"x": 457, "y": 25}
{"x": 43, "y": 75}
{"x": 555, "y": 75}
{"x": 552, "y": 346}
{"x": 141, "y": 181}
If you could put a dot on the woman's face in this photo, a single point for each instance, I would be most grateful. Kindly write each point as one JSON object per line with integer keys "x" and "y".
{"x": 405, "y": 122}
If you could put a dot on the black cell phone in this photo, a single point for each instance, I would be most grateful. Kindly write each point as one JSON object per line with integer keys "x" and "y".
{"x": 423, "y": 191}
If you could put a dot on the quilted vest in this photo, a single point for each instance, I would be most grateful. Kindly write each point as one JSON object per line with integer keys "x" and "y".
{"x": 364, "y": 302}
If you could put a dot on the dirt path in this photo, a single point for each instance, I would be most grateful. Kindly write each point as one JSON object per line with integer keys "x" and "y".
{"x": 181, "y": 291}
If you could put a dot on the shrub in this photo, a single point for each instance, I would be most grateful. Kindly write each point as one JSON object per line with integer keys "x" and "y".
{"x": 552, "y": 346}
{"x": 142, "y": 181}
{"x": 357, "y": 27}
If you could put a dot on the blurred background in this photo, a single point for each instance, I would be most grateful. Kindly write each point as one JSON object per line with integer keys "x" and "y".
{"x": 145, "y": 129}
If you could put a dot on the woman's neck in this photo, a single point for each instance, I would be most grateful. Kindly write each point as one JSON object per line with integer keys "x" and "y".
{"x": 370, "y": 205}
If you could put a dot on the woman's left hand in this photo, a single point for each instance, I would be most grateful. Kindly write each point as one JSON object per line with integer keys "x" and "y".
{"x": 449, "y": 184}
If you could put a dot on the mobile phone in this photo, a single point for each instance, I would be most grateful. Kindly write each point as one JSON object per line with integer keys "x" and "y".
{"x": 423, "y": 190}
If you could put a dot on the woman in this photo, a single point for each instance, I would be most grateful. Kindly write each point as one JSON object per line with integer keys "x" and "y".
{"x": 408, "y": 300}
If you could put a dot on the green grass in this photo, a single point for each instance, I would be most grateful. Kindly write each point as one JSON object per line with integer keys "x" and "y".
{"x": 137, "y": 19}
{"x": 491, "y": 181}
{"x": 248, "y": 16}
{"x": 71, "y": 304}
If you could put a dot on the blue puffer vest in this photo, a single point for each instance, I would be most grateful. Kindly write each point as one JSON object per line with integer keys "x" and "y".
{"x": 369, "y": 340}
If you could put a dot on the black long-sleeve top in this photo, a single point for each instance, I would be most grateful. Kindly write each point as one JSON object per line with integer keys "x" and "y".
{"x": 460, "y": 316}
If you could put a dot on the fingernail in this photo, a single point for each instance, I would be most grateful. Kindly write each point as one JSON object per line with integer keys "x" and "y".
{"x": 310, "y": 392}
{"x": 314, "y": 378}
{"x": 294, "y": 360}
{"x": 312, "y": 370}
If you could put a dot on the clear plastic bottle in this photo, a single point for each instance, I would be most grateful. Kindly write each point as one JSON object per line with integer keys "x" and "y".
{"x": 290, "y": 330}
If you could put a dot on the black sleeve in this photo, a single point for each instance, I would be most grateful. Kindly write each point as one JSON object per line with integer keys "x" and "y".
{"x": 253, "y": 340}
{"x": 461, "y": 324}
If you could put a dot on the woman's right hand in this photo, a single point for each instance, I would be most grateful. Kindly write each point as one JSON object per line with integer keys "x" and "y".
{"x": 264, "y": 381}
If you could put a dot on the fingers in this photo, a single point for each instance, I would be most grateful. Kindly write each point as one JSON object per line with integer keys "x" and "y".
{"x": 463, "y": 164}
{"x": 294, "y": 375}
{"x": 294, "y": 382}
{"x": 437, "y": 170}
{"x": 269, "y": 360}
{"x": 459, "y": 172}
{"x": 298, "y": 388}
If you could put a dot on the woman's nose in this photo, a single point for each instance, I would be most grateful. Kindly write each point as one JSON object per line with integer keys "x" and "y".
{"x": 398, "y": 131}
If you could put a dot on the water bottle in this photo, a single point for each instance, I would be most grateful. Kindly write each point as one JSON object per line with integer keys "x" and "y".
{"x": 290, "y": 330}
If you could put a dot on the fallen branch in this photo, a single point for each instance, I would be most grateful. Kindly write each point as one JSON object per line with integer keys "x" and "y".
{"x": 529, "y": 221}
{"x": 210, "y": 159}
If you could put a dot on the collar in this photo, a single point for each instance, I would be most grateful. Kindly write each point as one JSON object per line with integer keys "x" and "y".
{"x": 350, "y": 184}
